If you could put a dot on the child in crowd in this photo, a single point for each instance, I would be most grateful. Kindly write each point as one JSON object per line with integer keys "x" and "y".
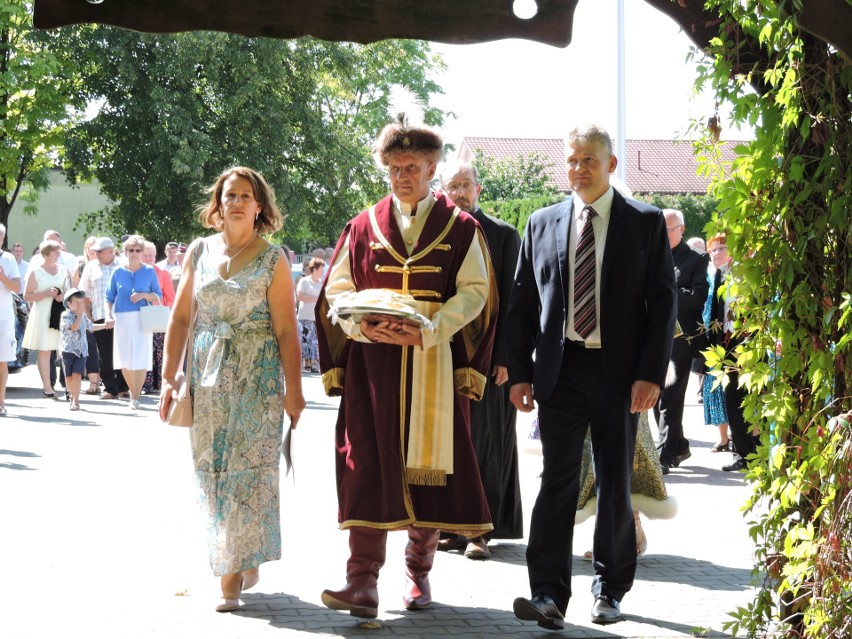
{"x": 72, "y": 342}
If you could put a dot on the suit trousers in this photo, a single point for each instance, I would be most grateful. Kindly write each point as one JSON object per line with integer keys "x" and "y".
{"x": 583, "y": 399}
{"x": 669, "y": 413}
{"x": 744, "y": 441}
{"x": 113, "y": 380}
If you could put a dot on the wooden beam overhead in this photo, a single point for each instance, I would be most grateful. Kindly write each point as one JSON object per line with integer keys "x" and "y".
{"x": 451, "y": 21}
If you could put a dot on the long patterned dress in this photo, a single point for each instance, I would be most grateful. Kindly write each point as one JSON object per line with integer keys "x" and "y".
{"x": 648, "y": 492}
{"x": 715, "y": 412}
{"x": 237, "y": 388}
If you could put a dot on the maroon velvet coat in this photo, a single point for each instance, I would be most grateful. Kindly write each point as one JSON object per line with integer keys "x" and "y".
{"x": 371, "y": 437}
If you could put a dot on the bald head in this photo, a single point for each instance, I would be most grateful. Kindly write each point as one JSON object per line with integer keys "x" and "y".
{"x": 460, "y": 182}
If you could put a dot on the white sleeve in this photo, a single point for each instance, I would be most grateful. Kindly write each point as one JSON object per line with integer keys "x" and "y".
{"x": 467, "y": 303}
{"x": 340, "y": 282}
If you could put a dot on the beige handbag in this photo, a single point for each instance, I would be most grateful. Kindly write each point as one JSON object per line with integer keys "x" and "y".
{"x": 180, "y": 410}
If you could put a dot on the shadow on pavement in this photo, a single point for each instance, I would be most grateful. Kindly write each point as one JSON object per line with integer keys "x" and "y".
{"x": 321, "y": 406}
{"x": 59, "y": 421}
{"x": 285, "y": 611}
{"x": 688, "y": 631}
{"x": 704, "y": 475}
{"x": 679, "y": 570}
{"x": 16, "y": 453}
{"x": 502, "y": 552}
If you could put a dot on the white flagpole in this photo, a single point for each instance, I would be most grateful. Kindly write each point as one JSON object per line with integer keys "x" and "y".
{"x": 621, "y": 124}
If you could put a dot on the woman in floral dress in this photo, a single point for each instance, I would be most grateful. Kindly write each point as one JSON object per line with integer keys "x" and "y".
{"x": 245, "y": 347}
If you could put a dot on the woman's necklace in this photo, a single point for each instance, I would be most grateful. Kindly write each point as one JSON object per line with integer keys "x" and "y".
{"x": 231, "y": 257}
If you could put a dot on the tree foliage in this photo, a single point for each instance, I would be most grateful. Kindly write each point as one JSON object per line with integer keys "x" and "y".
{"x": 697, "y": 209}
{"x": 174, "y": 111}
{"x": 785, "y": 204}
{"x": 38, "y": 95}
{"x": 513, "y": 178}
{"x": 517, "y": 212}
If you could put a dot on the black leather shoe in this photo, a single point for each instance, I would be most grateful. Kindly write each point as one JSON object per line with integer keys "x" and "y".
{"x": 679, "y": 459}
{"x": 541, "y": 609}
{"x": 665, "y": 467}
{"x": 738, "y": 464}
{"x": 606, "y": 610}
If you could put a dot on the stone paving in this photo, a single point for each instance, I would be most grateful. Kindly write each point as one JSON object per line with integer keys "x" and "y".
{"x": 101, "y": 537}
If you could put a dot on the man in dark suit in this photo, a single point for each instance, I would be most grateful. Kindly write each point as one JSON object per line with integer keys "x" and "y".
{"x": 493, "y": 418}
{"x": 691, "y": 279}
{"x": 594, "y": 301}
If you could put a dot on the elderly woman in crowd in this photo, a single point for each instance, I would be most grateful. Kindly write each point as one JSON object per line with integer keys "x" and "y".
{"x": 130, "y": 288}
{"x": 242, "y": 335}
{"x": 45, "y": 283}
{"x": 149, "y": 256}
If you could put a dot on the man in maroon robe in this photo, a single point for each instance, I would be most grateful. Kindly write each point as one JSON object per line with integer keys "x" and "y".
{"x": 404, "y": 456}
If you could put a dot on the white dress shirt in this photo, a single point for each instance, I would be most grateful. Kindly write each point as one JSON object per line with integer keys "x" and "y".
{"x": 600, "y": 223}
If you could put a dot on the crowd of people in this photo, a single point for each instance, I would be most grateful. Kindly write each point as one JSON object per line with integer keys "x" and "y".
{"x": 595, "y": 319}
{"x": 107, "y": 284}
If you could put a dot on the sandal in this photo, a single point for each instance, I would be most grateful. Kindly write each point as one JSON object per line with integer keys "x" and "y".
{"x": 48, "y": 395}
{"x": 75, "y": 406}
{"x": 720, "y": 447}
{"x": 92, "y": 390}
{"x": 3, "y": 411}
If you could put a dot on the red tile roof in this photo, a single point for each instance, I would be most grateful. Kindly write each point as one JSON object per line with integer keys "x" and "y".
{"x": 653, "y": 166}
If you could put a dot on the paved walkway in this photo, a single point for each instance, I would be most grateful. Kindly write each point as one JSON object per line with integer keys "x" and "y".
{"x": 100, "y": 537}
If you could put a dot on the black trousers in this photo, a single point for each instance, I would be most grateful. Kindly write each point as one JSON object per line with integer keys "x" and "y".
{"x": 669, "y": 413}
{"x": 581, "y": 400}
{"x": 744, "y": 442}
{"x": 56, "y": 362}
{"x": 113, "y": 380}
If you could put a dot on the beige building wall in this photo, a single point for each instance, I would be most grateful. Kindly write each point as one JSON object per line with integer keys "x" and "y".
{"x": 58, "y": 209}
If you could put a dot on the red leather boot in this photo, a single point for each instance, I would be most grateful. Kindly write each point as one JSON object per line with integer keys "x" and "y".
{"x": 419, "y": 556}
{"x": 360, "y": 596}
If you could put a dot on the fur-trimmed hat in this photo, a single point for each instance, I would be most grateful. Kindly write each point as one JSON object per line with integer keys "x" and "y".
{"x": 401, "y": 137}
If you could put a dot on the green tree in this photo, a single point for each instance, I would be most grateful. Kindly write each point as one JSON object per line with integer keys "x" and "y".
{"x": 697, "y": 209}
{"x": 38, "y": 97}
{"x": 785, "y": 204}
{"x": 517, "y": 212}
{"x": 176, "y": 110}
{"x": 513, "y": 178}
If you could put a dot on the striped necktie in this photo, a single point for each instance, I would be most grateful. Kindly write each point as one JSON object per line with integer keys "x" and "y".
{"x": 585, "y": 268}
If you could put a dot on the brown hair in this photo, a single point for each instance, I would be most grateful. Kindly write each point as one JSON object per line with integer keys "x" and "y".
{"x": 47, "y": 246}
{"x": 315, "y": 263}
{"x": 269, "y": 218}
{"x": 133, "y": 240}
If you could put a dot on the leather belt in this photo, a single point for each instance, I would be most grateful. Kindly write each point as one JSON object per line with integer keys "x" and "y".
{"x": 581, "y": 344}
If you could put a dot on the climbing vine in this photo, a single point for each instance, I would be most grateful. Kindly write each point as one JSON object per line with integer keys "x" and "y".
{"x": 786, "y": 206}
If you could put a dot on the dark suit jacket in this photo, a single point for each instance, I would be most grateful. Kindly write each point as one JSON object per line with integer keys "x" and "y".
{"x": 637, "y": 298}
{"x": 692, "y": 287}
{"x": 503, "y": 244}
